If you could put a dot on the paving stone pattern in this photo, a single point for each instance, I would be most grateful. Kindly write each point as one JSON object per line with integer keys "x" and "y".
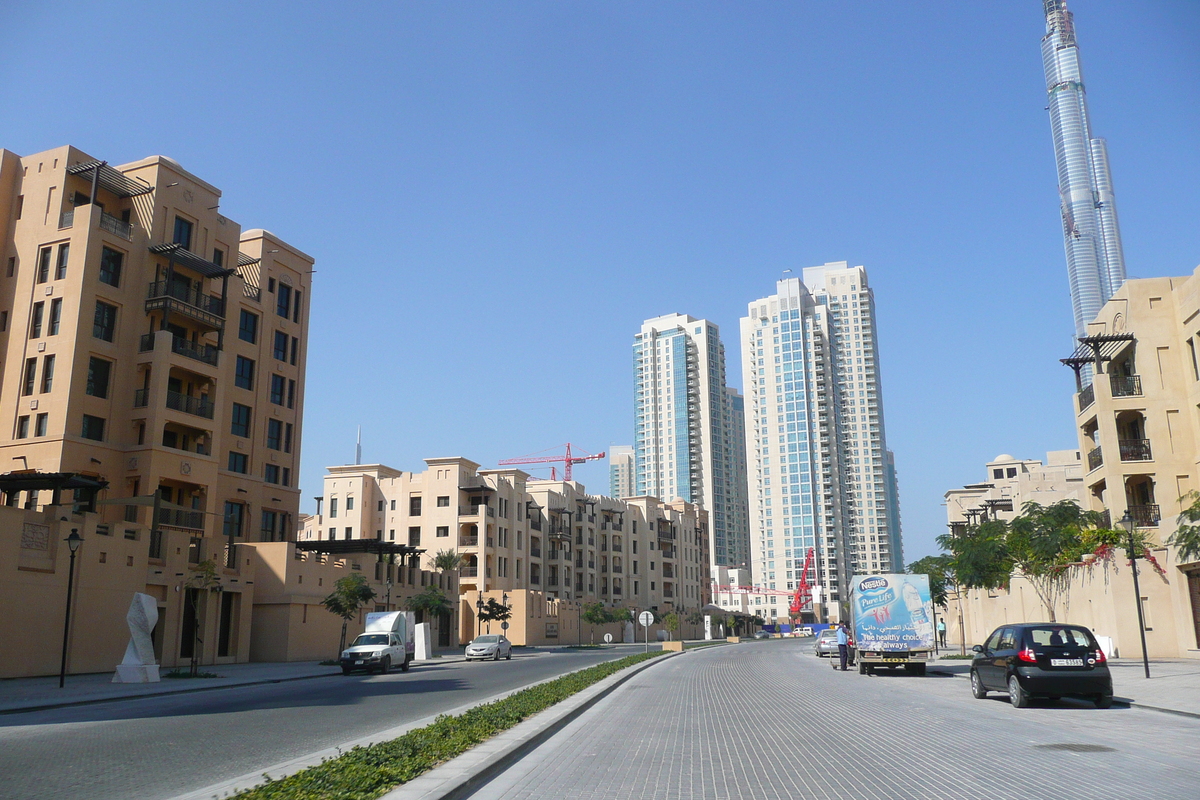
{"x": 768, "y": 720}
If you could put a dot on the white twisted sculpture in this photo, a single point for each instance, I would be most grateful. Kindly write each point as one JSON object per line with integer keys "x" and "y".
{"x": 138, "y": 665}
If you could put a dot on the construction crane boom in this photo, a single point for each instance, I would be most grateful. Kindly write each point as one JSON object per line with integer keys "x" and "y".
{"x": 569, "y": 460}
{"x": 803, "y": 594}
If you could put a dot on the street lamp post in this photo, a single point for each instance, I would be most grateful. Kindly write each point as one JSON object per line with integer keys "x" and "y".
{"x": 479, "y": 614}
{"x": 388, "y": 601}
{"x": 1129, "y": 524}
{"x": 73, "y": 541}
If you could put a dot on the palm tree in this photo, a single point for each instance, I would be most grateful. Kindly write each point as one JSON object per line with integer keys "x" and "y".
{"x": 447, "y": 561}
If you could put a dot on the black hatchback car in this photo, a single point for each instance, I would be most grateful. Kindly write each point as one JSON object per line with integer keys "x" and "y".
{"x": 1043, "y": 659}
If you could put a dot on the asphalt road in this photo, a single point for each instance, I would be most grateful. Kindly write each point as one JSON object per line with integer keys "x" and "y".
{"x": 769, "y": 720}
{"x": 160, "y": 747}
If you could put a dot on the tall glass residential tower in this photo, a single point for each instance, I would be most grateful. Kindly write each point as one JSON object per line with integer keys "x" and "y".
{"x": 820, "y": 473}
{"x": 684, "y": 419}
{"x": 1095, "y": 261}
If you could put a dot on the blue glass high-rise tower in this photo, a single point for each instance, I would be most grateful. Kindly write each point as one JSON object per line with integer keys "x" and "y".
{"x": 1095, "y": 261}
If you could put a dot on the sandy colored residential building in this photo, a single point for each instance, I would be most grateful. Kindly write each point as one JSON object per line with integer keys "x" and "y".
{"x": 1137, "y": 413}
{"x": 1010, "y": 482}
{"x": 152, "y": 386}
{"x": 545, "y": 545}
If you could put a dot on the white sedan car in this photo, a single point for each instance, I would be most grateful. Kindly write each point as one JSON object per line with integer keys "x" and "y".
{"x": 489, "y": 646}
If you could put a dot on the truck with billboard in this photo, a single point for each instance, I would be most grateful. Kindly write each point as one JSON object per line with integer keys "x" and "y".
{"x": 893, "y": 622}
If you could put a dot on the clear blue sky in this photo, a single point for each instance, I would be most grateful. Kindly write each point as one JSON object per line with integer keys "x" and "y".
{"x": 498, "y": 194}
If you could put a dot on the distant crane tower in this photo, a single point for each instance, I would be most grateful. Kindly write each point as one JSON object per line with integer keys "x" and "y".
{"x": 569, "y": 460}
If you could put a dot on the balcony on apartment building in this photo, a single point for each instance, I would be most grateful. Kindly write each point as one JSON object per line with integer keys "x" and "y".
{"x": 475, "y": 510}
{"x": 180, "y": 297}
{"x": 1086, "y": 397}
{"x": 1147, "y": 515}
{"x": 181, "y": 518}
{"x": 204, "y": 353}
{"x": 468, "y": 571}
{"x": 1133, "y": 450}
{"x": 197, "y": 406}
{"x": 114, "y": 225}
{"x": 1126, "y": 385}
{"x": 1095, "y": 458}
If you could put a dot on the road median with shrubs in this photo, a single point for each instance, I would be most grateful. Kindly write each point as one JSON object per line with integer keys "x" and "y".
{"x": 365, "y": 773}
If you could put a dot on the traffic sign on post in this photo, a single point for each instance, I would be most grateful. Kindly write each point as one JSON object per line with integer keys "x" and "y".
{"x": 646, "y": 619}
{"x": 608, "y": 638}
{"x": 503, "y": 626}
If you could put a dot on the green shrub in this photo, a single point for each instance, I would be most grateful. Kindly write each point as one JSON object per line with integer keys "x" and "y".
{"x": 365, "y": 773}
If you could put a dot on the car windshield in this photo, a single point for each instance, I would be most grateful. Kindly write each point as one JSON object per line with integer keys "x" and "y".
{"x": 1060, "y": 636}
{"x": 486, "y": 640}
{"x": 829, "y": 634}
{"x": 370, "y": 638}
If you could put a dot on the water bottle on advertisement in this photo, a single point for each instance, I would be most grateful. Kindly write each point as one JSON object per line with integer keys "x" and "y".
{"x": 922, "y": 625}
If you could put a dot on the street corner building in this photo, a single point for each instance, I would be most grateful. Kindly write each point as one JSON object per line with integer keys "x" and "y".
{"x": 152, "y": 392}
{"x": 545, "y": 548}
{"x": 820, "y": 474}
{"x": 1135, "y": 406}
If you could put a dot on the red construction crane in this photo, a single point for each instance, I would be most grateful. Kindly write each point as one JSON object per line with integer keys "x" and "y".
{"x": 803, "y": 594}
{"x": 569, "y": 459}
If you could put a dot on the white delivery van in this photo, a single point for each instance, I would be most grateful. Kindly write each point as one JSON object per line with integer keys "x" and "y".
{"x": 387, "y": 642}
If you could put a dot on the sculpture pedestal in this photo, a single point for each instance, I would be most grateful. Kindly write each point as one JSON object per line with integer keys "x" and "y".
{"x": 136, "y": 673}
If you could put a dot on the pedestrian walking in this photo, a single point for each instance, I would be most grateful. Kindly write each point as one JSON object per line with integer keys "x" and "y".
{"x": 942, "y": 632}
{"x": 843, "y": 643}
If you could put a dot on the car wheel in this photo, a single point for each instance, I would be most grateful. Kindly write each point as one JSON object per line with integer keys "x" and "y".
{"x": 977, "y": 689}
{"x": 509, "y": 656}
{"x": 404, "y": 666}
{"x": 497, "y": 656}
{"x": 862, "y": 668}
{"x": 1103, "y": 700}
{"x": 346, "y": 670}
{"x": 1016, "y": 695}
{"x": 386, "y": 666}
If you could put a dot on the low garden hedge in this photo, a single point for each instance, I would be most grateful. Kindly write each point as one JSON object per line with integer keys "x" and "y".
{"x": 365, "y": 773}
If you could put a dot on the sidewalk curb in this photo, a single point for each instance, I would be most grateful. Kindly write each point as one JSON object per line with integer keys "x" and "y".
{"x": 1117, "y": 699}
{"x": 464, "y": 774}
{"x": 181, "y": 690}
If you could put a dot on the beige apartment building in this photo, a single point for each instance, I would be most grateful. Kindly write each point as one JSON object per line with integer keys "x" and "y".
{"x": 1012, "y": 482}
{"x": 544, "y": 546}
{"x": 1137, "y": 413}
{"x": 153, "y": 387}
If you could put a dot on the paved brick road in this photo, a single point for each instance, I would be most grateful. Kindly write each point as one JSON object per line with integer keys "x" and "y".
{"x": 768, "y": 720}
